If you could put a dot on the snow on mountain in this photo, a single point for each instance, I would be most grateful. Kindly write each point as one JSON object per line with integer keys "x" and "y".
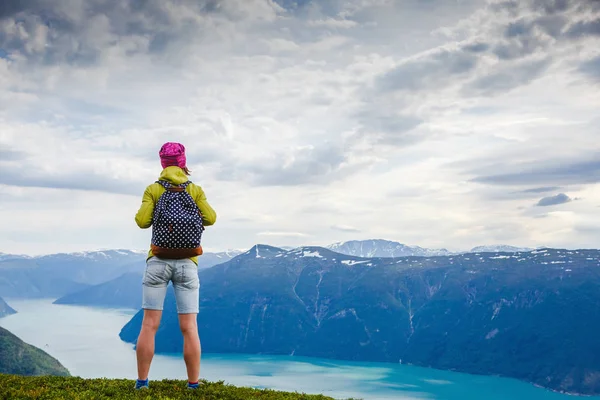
{"x": 89, "y": 256}
{"x": 228, "y": 254}
{"x": 115, "y": 257}
{"x": 383, "y": 248}
{"x": 263, "y": 251}
{"x": 97, "y": 255}
{"x": 387, "y": 248}
{"x": 5, "y": 256}
{"x": 500, "y": 249}
{"x": 357, "y": 248}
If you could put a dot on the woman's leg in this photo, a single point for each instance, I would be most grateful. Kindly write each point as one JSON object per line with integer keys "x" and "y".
{"x": 191, "y": 345}
{"x": 187, "y": 293}
{"x": 154, "y": 284}
{"x": 145, "y": 342}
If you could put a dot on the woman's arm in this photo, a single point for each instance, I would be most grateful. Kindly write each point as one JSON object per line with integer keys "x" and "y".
{"x": 209, "y": 216}
{"x": 143, "y": 218}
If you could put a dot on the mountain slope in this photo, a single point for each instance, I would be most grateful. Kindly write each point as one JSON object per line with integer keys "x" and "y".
{"x": 25, "y": 278}
{"x": 387, "y": 248}
{"x": 122, "y": 292}
{"x": 20, "y": 358}
{"x": 57, "y": 275}
{"x": 4, "y": 256}
{"x": 208, "y": 260}
{"x": 500, "y": 249}
{"x": 125, "y": 291}
{"x": 488, "y": 313}
{"x": 92, "y": 267}
{"x": 5, "y": 309}
{"x": 383, "y": 248}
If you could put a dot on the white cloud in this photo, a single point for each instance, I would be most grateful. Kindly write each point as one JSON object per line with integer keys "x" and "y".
{"x": 345, "y": 228}
{"x": 333, "y": 23}
{"x": 423, "y": 122}
{"x": 283, "y": 234}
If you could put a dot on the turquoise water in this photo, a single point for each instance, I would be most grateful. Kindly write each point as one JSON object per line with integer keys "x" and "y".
{"x": 86, "y": 341}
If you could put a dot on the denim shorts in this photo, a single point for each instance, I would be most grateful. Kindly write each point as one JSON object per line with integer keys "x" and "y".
{"x": 183, "y": 274}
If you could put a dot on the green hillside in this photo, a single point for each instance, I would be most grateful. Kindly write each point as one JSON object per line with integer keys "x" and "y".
{"x": 52, "y": 387}
{"x": 18, "y": 357}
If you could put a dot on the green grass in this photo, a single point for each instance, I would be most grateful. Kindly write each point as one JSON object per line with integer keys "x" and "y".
{"x": 54, "y": 387}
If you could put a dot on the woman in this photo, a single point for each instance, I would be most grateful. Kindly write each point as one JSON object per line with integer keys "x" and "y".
{"x": 178, "y": 211}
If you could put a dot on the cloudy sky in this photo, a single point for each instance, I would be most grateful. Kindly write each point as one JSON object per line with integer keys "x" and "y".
{"x": 449, "y": 123}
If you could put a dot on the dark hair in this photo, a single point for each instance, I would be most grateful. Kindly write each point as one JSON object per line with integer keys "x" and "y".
{"x": 186, "y": 171}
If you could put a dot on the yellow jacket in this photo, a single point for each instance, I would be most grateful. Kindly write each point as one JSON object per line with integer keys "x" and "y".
{"x": 176, "y": 176}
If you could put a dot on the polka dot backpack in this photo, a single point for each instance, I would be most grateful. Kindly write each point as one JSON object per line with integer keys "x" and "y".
{"x": 177, "y": 221}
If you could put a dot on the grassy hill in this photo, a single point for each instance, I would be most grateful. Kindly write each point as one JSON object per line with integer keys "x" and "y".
{"x": 53, "y": 387}
{"x": 18, "y": 357}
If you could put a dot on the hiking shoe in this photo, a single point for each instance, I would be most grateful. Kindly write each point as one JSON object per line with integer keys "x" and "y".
{"x": 195, "y": 385}
{"x": 142, "y": 384}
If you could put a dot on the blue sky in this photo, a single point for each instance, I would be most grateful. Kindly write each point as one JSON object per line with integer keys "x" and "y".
{"x": 436, "y": 123}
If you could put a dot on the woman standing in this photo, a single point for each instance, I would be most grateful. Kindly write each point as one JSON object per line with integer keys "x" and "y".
{"x": 177, "y": 210}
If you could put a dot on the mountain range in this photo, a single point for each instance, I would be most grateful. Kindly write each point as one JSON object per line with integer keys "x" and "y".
{"x": 57, "y": 275}
{"x": 25, "y": 278}
{"x": 383, "y": 248}
{"x": 125, "y": 290}
{"x": 360, "y": 248}
{"x": 484, "y": 313}
{"x": 498, "y": 249}
{"x": 387, "y": 248}
{"x": 490, "y": 311}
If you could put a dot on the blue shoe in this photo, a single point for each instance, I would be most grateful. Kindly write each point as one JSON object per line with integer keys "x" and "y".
{"x": 193, "y": 385}
{"x": 142, "y": 384}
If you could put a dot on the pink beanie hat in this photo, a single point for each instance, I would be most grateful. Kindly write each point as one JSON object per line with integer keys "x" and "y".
{"x": 172, "y": 154}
